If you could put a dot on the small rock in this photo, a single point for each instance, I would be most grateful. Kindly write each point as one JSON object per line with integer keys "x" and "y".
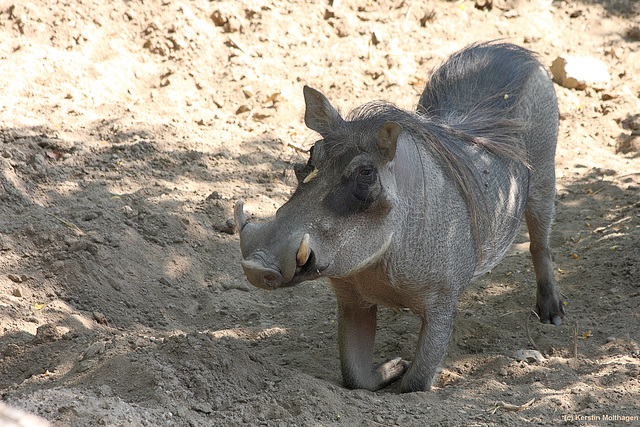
{"x": 83, "y": 245}
{"x": 329, "y": 13}
{"x": 484, "y": 4}
{"x": 575, "y": 72}
{"x": 100, "y": 318}
{"x": 248, "y": 91}
{"x": 243, "y": 109}
{"x": 376, "y": 37}
{"x": 90, "y": 216}
{"x": 39, "y": 163}
{"x": 218, "y": 18}
{"x": 214, "y": 196}
{"x": 227, "y": 226}
{"x": 105, "y": 390}
{"x": 128, "y": 211}
{"x": 629, "y": 144}
{"x": 529, "y": 356}
{"x": 611, "y": 339}
{"x": 14, "y": 278}
{"x": 634, "y": 33}
{"x": 17, "y": 293}
{"x": 47, "y": 333}
{"x": 93, "y": 350}
{"x": 576, "y": 13}
{"x": 203, "y": 407}
{"x": 632, "y": 122}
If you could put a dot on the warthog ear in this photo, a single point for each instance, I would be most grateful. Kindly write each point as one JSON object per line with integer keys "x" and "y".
{"x": 320, "y": 114}
{"x": 388, "y": 139}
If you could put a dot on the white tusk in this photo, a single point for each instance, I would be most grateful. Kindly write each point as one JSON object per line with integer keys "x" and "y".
{"x": 312, "y": 175}
{"x": 238, "y": 215}
{"x": 303, "y": 252}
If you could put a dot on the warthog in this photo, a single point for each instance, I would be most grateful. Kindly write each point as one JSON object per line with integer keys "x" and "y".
{"x": 405, "y": 209}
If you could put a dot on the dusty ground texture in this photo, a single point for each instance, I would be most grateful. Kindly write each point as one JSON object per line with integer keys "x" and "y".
{"x": 129, "y": 128}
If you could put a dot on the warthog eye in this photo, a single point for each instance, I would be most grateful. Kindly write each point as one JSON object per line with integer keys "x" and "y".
{"x": 363, "y": 178}
{"x": 366, "y": 174}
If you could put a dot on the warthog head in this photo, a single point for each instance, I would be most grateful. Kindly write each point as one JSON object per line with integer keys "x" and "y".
{"x": 339, "y": 219}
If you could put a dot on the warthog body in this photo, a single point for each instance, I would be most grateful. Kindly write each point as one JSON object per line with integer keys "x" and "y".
{"x": 405, "y": 209}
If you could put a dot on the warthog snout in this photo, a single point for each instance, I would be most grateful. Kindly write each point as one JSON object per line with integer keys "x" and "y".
{"x": 271, "y": 262}
{"x": 260, "y": 275}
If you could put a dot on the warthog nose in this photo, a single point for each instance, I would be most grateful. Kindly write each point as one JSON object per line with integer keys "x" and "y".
{"x": 260, "y": 276}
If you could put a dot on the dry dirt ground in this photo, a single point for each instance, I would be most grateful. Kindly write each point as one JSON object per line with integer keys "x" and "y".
{"x": 129, "y": 128}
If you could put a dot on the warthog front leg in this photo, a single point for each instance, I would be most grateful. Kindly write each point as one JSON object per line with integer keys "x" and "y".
{"x": 356, "y": 336}
{"x": 437, "y": 325}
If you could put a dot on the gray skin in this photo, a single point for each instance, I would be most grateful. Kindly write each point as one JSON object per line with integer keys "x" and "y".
{"x": 405, "y": 209}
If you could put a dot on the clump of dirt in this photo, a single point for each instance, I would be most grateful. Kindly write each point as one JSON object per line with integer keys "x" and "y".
{"x": 128, "y": 130}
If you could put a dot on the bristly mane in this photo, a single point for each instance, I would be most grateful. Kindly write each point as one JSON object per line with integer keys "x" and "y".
{"x": 469, "y": 100}
{"x": 445, "y": 142}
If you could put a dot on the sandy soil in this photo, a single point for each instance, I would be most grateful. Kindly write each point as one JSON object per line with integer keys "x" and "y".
{"x": 129, "y": 128}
